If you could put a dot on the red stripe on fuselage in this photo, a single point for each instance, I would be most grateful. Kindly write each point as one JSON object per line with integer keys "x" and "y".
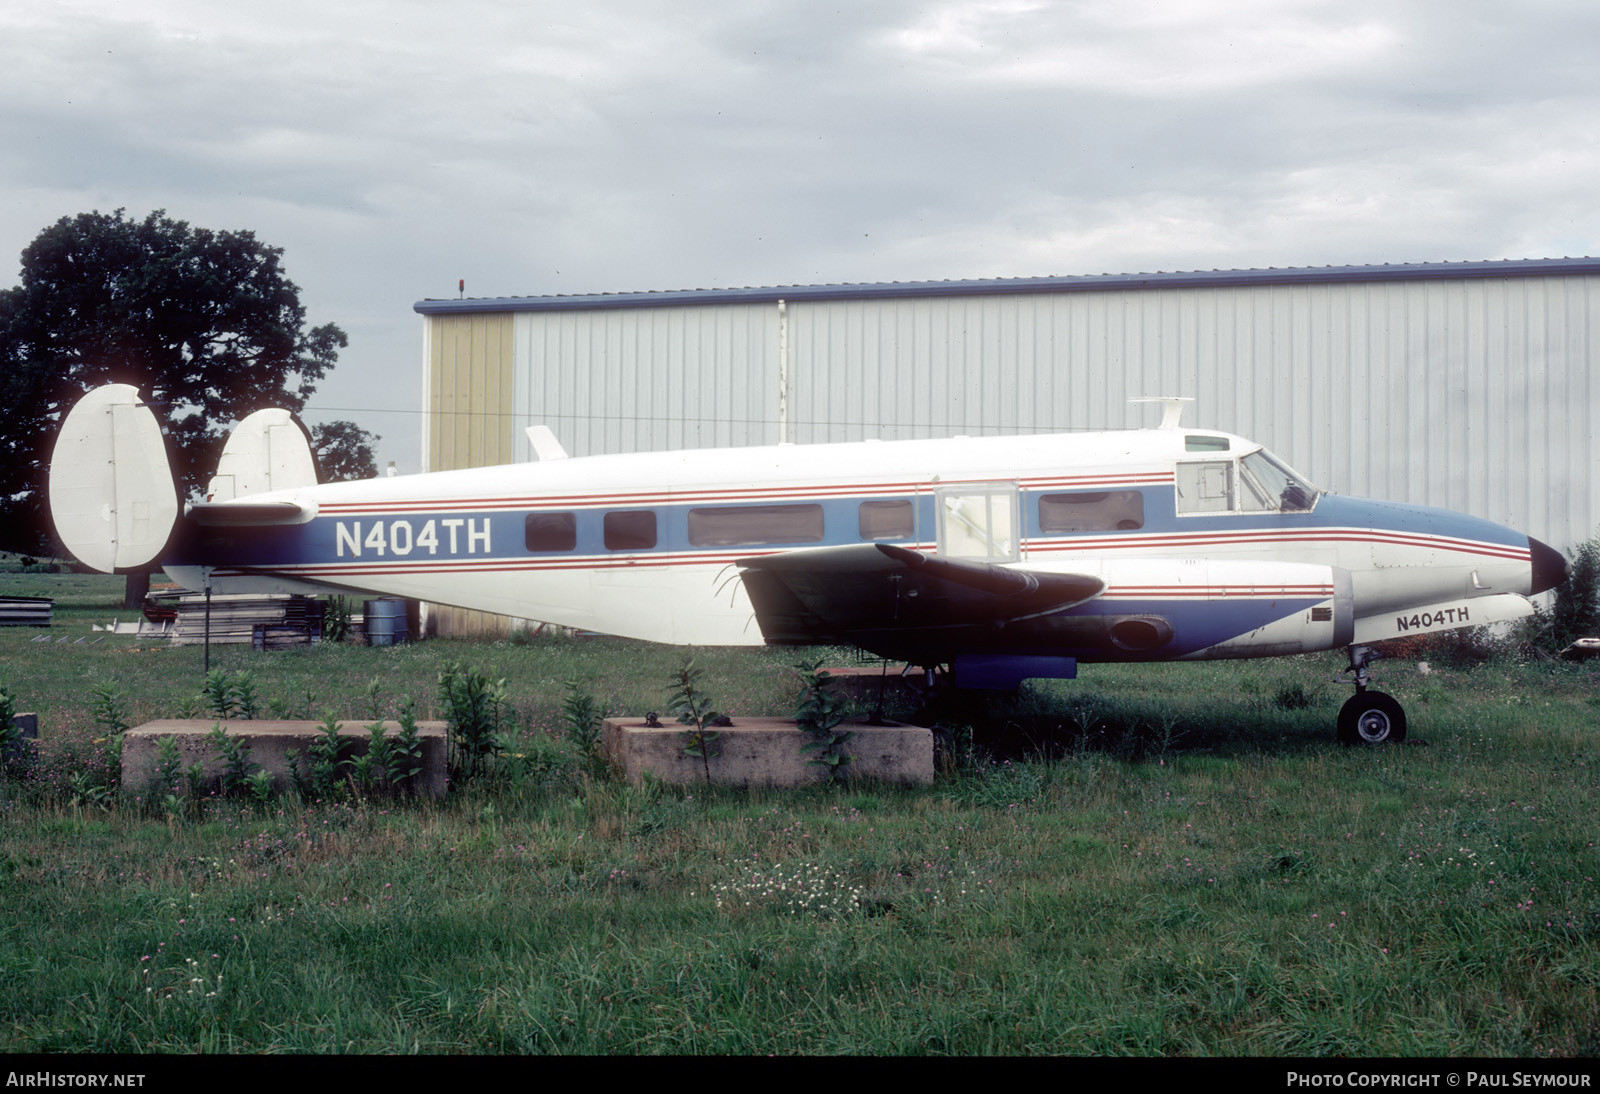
{"x": 1283, "y": 537}
{"x": 728, "y": 495}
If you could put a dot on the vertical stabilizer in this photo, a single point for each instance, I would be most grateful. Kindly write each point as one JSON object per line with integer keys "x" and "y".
{"x": 111, "y": 491}
{"x": 267, "y": 451}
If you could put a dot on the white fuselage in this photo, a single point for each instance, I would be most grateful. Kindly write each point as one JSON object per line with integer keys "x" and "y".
{"x": 646, "y": 545}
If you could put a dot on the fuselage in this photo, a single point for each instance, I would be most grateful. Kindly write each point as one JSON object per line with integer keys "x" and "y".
{"x": 1201, "y": 529}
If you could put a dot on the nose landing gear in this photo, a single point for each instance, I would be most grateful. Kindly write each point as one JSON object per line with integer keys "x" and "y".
{"x": 1369, "y": 717}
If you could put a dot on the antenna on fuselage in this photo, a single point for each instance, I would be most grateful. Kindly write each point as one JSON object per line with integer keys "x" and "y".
{"x": 1172, "y": 408}
{"x": 545, "y": 445}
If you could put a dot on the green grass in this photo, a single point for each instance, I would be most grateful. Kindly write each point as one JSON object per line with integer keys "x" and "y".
{"x": 1150, "y": 860}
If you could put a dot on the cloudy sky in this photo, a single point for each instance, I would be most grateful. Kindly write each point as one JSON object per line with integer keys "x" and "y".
{"x": 530, "y": 148}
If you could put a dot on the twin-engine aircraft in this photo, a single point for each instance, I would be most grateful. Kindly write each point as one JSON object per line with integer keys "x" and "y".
{"x": 996, "y": 558}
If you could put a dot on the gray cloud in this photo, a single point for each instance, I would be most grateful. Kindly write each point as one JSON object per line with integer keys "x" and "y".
{"x": 534, "y": 148}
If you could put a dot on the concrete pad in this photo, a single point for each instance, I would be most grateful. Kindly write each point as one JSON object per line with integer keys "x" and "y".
{"x": 270, "y": 743}
{"x": 868, "y": 685}
{"x": 766, "y": 752}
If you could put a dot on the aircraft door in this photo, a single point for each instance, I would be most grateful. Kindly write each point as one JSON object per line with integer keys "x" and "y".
{"x": 979, "y": 521}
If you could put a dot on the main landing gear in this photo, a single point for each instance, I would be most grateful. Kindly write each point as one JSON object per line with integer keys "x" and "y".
{"x": 1369, "y": 717}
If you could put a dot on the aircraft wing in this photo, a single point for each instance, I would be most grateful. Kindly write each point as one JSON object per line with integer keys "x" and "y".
{"x": 847, "y": 594}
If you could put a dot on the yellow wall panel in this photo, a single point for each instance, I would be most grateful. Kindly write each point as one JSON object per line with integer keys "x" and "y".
{"x": 469, "y": 370}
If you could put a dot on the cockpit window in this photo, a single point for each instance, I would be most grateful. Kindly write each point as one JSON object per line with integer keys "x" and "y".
{"x": 1269, "y": 486}
{"x": 1257, "y": 483}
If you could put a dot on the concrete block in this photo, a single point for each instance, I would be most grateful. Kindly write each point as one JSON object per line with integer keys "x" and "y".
{"x": 270, "y": 743}
{"x": 867, "y": 685}
{"x": 27, "y": 725}
{"x": 766, "y": 752}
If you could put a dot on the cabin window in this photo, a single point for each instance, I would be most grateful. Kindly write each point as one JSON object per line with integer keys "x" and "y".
{"x": 1099, "y": 511}
{"x": 979, "y": 522}
{"x": 887, "y": 520}
{"x": 752, "y": 525}
{"x": 1205, "y": 487}
{"x": 630, "y": 530}
{"x": 551, "y": 531}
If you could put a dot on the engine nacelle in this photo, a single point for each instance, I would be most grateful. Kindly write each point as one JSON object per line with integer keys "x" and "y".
{"x": 1220, "y": 608}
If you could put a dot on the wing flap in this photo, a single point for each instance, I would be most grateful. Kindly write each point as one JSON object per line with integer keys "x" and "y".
{"x": 846, "y": 594}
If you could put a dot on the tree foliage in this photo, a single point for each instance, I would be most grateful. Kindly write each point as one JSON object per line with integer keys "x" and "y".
{"x": 1575, "y": 612}
{"x": 344, "y": 451}
{"x": 204, "y": 323}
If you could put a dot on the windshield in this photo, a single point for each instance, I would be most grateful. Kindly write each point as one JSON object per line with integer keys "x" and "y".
{"x": 1267, "y": 485}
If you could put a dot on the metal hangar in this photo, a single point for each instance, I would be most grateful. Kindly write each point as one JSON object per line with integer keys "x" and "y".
{"x": 1467, "y": 385}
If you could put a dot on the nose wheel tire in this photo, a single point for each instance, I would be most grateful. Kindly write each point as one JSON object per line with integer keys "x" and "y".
{"x": 1371, "y": 718}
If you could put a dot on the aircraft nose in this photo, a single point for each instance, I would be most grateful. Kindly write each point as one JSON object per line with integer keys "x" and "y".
{"x": 1549, "y": 568}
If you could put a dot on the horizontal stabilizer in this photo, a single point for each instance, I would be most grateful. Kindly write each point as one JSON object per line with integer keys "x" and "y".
{"x": 249, "y": 514}
{"x": 111, "y": 492}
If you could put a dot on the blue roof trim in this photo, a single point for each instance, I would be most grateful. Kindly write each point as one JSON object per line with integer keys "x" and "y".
{"x": 1304, "y": 275}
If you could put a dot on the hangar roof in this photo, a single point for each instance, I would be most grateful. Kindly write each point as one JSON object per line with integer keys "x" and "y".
{"x": 1289, "y": 275}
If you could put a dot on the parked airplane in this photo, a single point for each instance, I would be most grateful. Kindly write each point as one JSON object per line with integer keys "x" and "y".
{"x": 999, "y": 558}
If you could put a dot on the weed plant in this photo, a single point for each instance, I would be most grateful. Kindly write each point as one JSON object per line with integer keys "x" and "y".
{"x": 819, "y": 712}
{"x": 692, "y": 706}
{"x": 112, "y": 719}
{"x": 371, "y": 769}
{"x": 227, "y": 695}
{"x": 14, "y": 751}
{"x": 473, "y": 705}
{"x": 328, "y": 758}
{"x": 236, "y": 763}
{"x": 111, "y": 711}
{"x": 166, "y": 778}
{"x": 584, "y": 715}
{"x": 337, "y": 619}
{"x": 405, "y": 750}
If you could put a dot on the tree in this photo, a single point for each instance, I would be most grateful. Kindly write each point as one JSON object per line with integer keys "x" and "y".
{"x": 1575, "y": 612}
{"x": 344, "y": 451}
{"x": 204, "y": 323}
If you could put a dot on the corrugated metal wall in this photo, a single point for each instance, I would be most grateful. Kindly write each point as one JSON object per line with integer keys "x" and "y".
{"x": 1473, "y": 394}
{"x": 649, "y": 379}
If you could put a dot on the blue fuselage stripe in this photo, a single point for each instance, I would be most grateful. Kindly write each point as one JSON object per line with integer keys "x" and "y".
{"x": 426, "y": 540}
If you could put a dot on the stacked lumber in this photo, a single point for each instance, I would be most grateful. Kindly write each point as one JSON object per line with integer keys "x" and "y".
{"x": 25, "y": 611}
{"x": 234, "y": 618}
